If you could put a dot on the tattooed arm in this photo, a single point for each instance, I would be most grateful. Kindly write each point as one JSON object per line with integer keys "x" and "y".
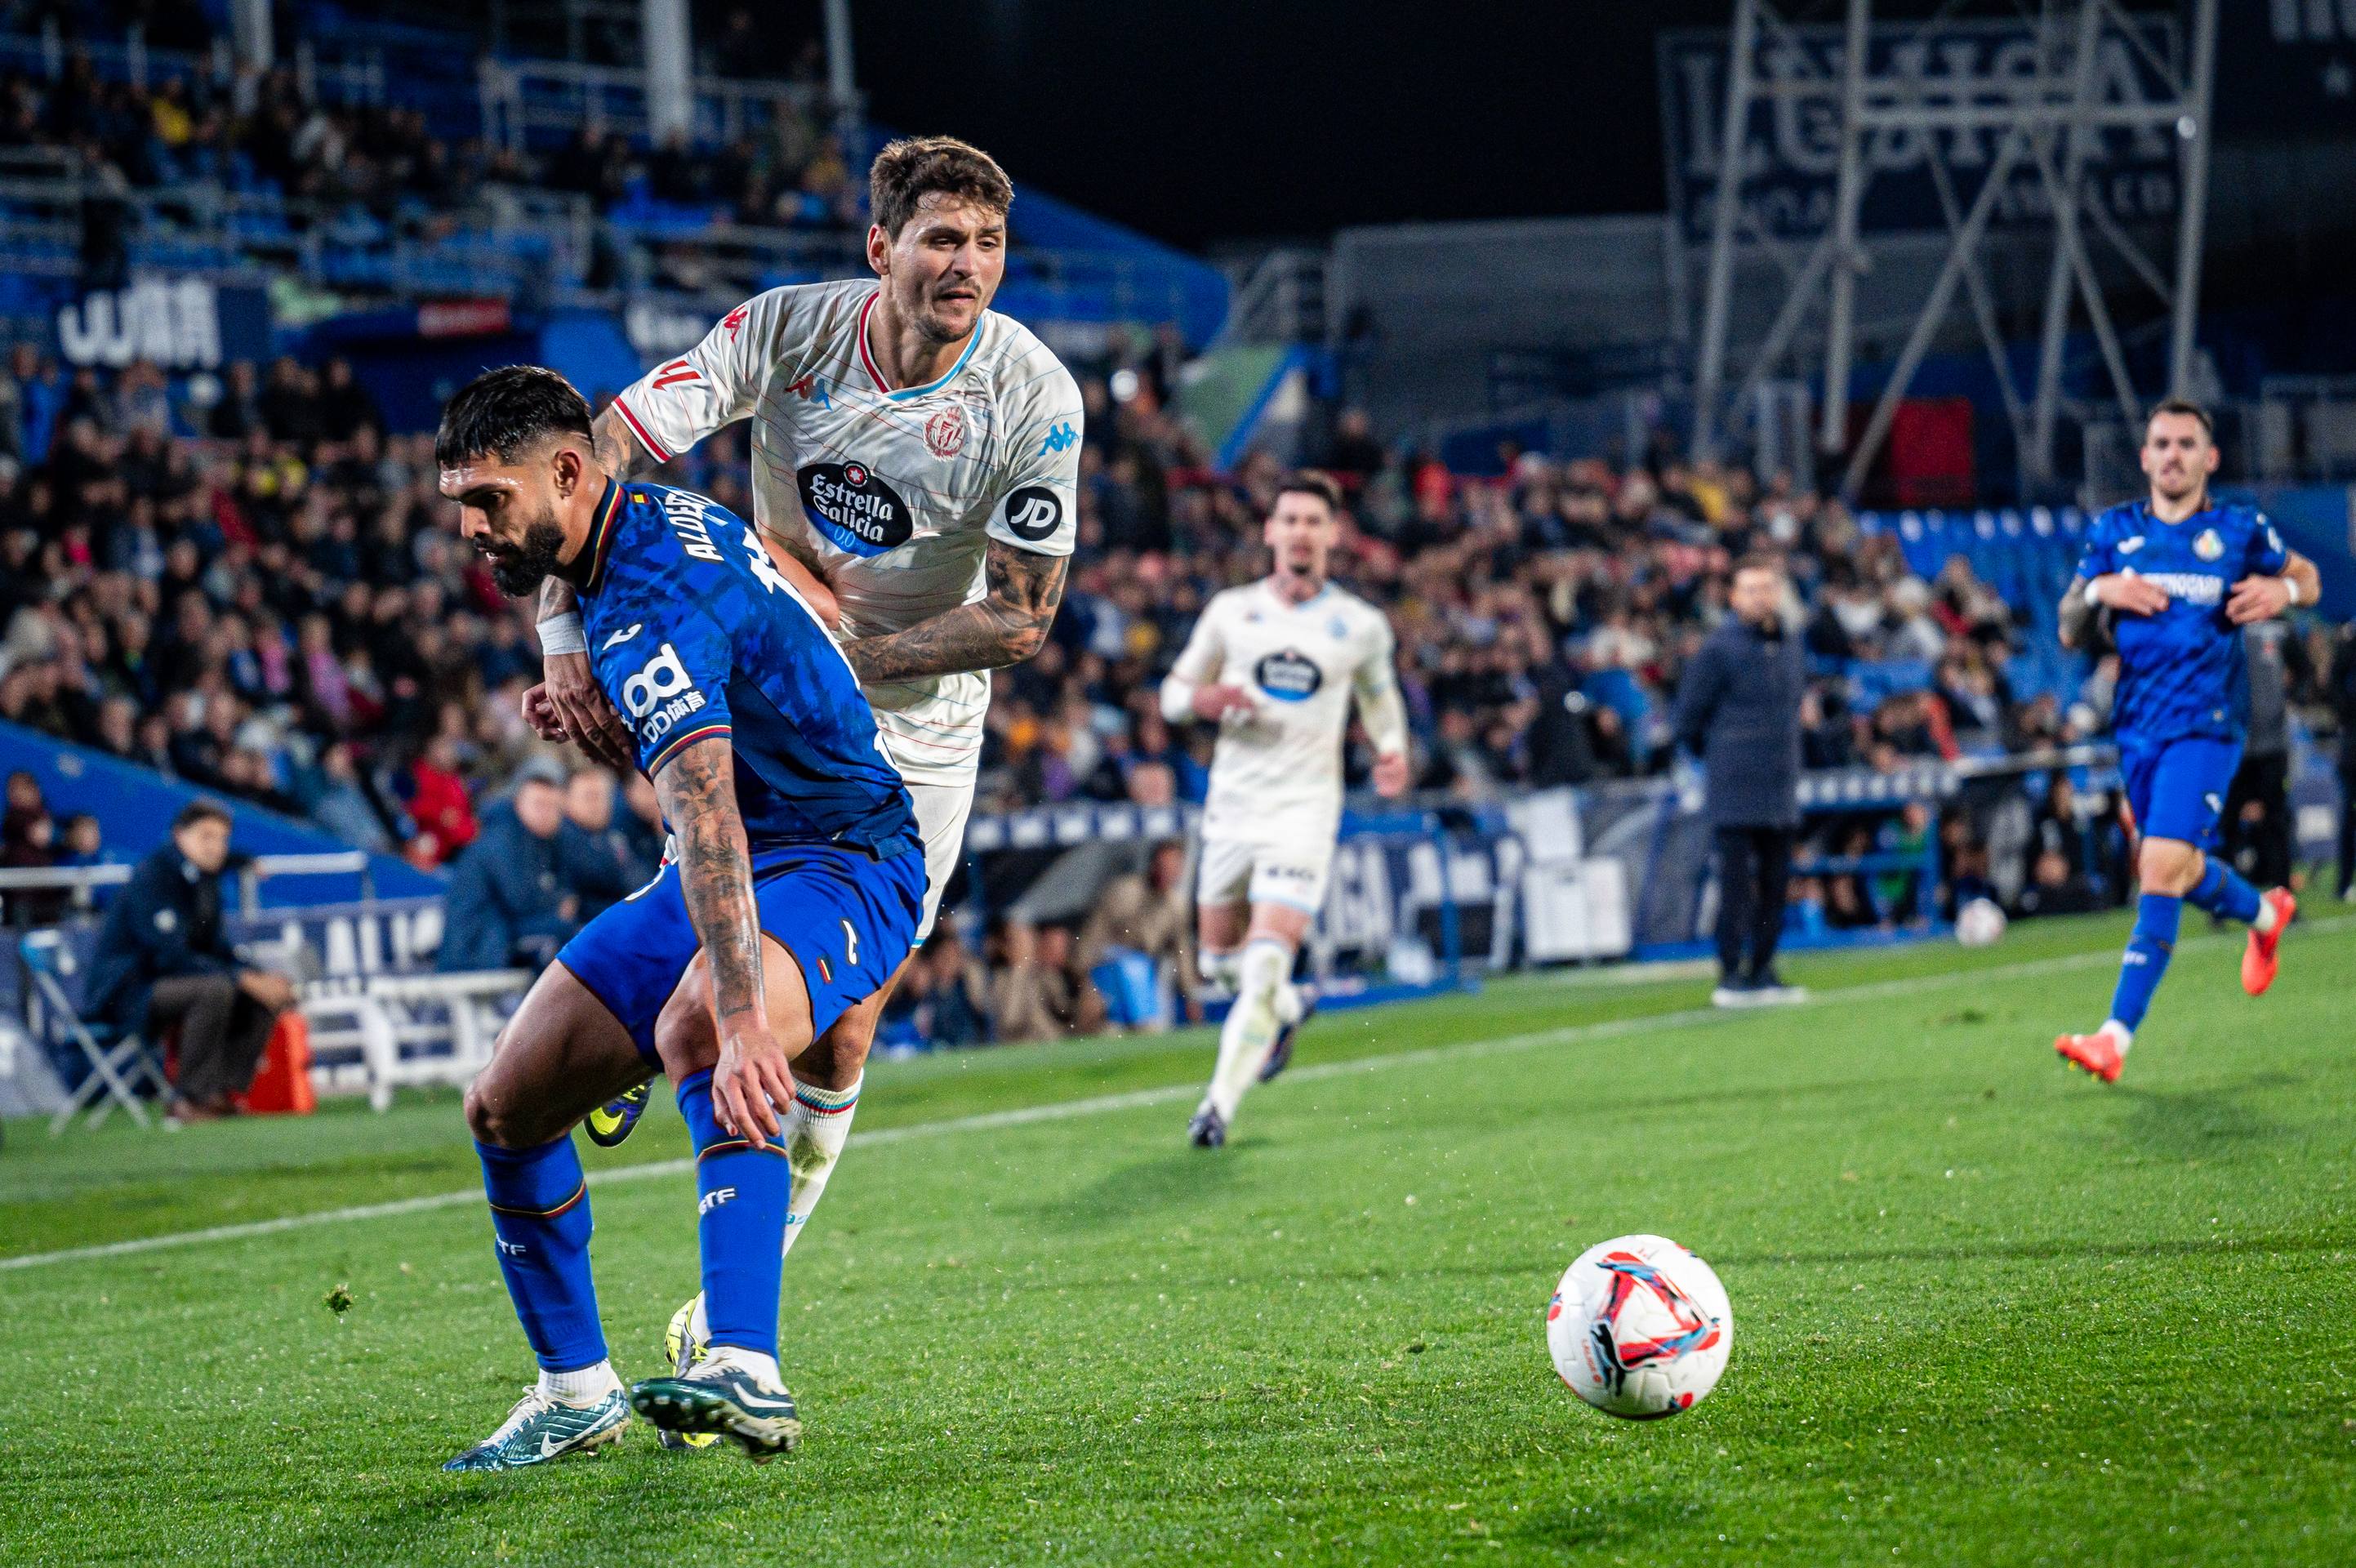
{"x": 567, "y": 705}
{"x": 697, "y": 788}
{"x": 1005, "y": 625}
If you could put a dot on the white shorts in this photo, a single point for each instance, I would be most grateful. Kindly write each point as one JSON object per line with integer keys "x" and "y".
{"x": 1237, "y": 871}
{"x": 941, "y": 811}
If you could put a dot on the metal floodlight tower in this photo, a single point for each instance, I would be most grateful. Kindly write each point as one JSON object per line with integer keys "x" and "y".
{"x": 2049, "y": 119}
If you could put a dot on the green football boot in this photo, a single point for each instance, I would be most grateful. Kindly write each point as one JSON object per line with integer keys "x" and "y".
{"x": 683, "y": 1347}
{"x": 611, "y": 1122}
{"x": 722, "y": 1398}
{"x": 539, "y": 1429}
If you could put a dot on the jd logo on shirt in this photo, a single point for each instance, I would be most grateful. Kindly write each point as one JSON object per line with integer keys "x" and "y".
{"x": 1288, "y": 677}
{"x": 663, "y": 676}
{"x": 1032, "y": 513}
{"x": 851, "y": 505}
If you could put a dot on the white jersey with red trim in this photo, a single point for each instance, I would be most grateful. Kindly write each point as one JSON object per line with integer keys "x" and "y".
{"x": 895, "y": 494}
{"x": 1276, "y": 775}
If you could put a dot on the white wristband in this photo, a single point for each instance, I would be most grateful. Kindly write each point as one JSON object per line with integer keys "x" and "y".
{"x": 2291, "y": 586}
{"x": 562, "y": 634}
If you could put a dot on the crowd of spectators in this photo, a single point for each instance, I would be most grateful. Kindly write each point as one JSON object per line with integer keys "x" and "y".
{"x": 333, "y": 155}
{"x": 259, "y": 597}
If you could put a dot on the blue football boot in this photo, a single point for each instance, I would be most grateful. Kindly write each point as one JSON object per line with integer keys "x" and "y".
{"x": 1280, "y": 1055}
{"x": 539, "y": 1429}
{"x": 611, "y": 1122}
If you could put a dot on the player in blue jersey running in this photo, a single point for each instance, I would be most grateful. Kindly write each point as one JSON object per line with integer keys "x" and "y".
{"x": 790, "y": 892}
{"x": 2181, "y": 576}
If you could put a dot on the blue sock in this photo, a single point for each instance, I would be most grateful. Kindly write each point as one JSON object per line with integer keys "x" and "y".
{"x": 2154, "y": 939}
{"x": 2223, "y": 890}
{"x": 540, "y": 1213}
{"x": 744, "y": 1193}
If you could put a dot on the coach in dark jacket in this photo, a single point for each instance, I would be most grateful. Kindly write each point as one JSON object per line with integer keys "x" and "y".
{"x": 507, "y": 904}
{"x": 1738, "y": 707}
{"x": 164, "y": 961}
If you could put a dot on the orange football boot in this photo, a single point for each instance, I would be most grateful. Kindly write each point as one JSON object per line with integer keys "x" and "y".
{"x": 2259, "y": 959}
{"x": 2097, "y": 1053}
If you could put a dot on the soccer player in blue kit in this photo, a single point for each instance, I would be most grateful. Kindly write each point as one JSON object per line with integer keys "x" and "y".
{"x": 795, "y": 871}
{"x": 2183, "y": 575}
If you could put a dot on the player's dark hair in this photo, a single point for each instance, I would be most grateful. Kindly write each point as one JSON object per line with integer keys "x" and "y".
{"x": 1309, "y": 482}
{"x": 910, "y": 169}
{"x": 502, "y": 413}
{"x": 2185, "y": 406}
{"x": 200, "y": 810}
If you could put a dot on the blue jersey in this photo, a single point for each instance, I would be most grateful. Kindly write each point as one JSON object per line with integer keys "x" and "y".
{"x": 2183, "y": 671}
{"x": 694, "y": 633}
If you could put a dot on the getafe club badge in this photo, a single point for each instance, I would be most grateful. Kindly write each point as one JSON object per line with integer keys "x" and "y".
{"x": 2208, "y": 546}
{"x": 945, "y": 432}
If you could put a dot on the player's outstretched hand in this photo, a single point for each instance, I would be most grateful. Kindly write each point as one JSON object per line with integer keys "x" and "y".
{"x": 587, "y": 717}
{"x": 540, "y": 715}
{"x": 2135, "y": 596}
{"x": 1216, "y": 703}
{"x": 1390, "y": 775}
{"x": 750, "y": 1081}
{"x": 2256, "y": 599}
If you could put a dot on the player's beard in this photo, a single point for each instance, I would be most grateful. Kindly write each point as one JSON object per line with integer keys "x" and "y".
{"x": 521, "y": 569}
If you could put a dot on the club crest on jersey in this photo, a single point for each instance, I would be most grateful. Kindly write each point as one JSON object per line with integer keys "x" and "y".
{"x": 1288, "y": 676}
{"x": 2208, "y": 546}
{"x": 945, "y": 432}
{"x": 850, "y": 504}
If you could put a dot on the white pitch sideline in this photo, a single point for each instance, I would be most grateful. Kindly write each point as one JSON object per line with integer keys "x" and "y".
{"x": 1059, "y": 1111}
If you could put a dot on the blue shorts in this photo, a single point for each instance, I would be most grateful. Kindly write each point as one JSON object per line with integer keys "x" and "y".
{"x": 2176, "y": 789}
{"x": 847, "y": 919}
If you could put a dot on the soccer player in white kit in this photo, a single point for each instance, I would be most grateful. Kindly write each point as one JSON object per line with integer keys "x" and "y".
{"x": 916, "y": 458}
{"x": 1275, "y": 664}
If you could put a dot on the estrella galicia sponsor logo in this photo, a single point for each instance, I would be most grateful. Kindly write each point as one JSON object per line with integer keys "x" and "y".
{"x": 1033, "y": 513}
{"x": 1288, "y": 676}
{"x": 851, "y": 505}
{"x": 1060, "y": 438}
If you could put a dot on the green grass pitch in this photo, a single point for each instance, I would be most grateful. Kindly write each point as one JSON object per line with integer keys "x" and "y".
{"x": 1986, "y": 1311}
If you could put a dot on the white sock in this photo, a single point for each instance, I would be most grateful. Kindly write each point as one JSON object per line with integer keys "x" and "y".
{"x": 586, "y": 1386}
{"x": 815, "y": 1127}
{"x": 1251, "y": 1025}
{"x": 1222, "y": 969}
{"x": 2118, "y": 1031}
{"x": 2268, "y": 915}
{"x": 761, "y": 1366}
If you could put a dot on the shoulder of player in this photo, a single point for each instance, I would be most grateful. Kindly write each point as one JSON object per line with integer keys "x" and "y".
{"x": 1021, "y": 370}
{"x": 2115, "y": 520}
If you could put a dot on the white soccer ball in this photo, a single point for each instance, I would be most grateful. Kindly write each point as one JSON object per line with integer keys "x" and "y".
{"x": 1979, "y": 924}
{"x": 1640, "y": 1327}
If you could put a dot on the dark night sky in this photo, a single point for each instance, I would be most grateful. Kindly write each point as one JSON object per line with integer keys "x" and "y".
{"x": 1198, "y": 121}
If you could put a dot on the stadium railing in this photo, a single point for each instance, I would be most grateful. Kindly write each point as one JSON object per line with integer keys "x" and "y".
{"x": 79, "y": 883}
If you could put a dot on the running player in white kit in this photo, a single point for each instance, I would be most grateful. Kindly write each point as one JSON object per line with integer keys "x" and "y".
{"x": 916, "y": 455}
{"x": 1275, "y": 665}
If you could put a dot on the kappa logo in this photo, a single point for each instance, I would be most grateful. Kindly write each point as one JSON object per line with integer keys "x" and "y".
{"x": 1060, "y": 438}
{"x": 1033, "y": 513}
{"x": 678, "y": 371}
{"x": 812, "y": 389}
{"x": 625, "y": 635}
{"x": 945, "y": 433}
{"x": 714, "y": 1198}
{"x": 662, "y": 677}
{"x": 733, "y": 322}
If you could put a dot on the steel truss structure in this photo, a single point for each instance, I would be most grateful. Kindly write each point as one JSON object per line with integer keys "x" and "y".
{"x": 2048, "y": 119}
